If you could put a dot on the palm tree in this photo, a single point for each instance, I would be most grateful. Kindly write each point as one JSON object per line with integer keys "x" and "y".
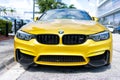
{"x": 4, "y": 10}
{"x": 12, "y": 11}
{"x": 45, "y": 5}
{"x": 72, "y": 6}
{"x": 60, "y": 5}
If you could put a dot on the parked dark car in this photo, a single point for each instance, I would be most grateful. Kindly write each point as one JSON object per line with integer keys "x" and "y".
{"x": 26, "y": 21}
{"x": 116, "y": 30}
{"x": 20, "y": 23}
{"x": 2, "y": 18}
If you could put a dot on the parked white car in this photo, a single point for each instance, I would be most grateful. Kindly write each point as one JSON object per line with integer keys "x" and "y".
{"x": 110, "y": 27}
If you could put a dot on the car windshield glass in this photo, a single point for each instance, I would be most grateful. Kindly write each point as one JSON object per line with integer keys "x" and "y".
{"x": 66, "y": 14}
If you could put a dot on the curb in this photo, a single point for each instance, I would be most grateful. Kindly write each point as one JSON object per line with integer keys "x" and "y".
{"x": 4, "y": 64}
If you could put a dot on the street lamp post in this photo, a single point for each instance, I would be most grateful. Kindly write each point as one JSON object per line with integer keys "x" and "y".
{"x": 33, "y": 9}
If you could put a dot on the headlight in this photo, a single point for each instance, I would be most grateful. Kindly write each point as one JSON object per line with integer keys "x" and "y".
{"x": 100, "y": 36}
{"x": 24, "y": 36}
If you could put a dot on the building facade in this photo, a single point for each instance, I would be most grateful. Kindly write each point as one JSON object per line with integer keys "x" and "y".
{"x": 109, "y": 11}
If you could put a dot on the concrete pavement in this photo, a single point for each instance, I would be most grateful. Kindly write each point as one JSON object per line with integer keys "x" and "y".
{"x": 6, "y": 53}
{"x": 116, "y": 40}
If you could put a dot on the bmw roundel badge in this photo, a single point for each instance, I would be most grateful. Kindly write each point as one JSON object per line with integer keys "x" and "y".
{"x": 60, "y": 31}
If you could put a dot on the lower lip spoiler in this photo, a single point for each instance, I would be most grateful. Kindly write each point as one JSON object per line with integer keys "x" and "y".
{"x": 95, "y": 61}
{"x": 23, "y": 58}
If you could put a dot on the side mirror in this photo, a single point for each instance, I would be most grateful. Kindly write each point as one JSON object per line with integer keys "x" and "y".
{"x": 36, "y": 18}
{"x": 95, "y": 19}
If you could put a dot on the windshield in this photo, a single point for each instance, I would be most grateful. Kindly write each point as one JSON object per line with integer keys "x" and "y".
{"x": 65, "y": 14}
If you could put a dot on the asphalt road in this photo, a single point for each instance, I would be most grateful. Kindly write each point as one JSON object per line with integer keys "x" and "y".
{"x": 111, "y": 72}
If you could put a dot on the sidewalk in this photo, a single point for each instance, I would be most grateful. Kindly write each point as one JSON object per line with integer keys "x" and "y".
{"x": 116, "y": 38}
{"x": 6, "y": 53}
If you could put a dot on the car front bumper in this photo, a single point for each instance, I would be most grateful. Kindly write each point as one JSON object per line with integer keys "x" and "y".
{"x": 91, "y": 52}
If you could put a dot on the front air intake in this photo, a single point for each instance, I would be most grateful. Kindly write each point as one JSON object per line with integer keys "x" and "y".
{"x": 59, "y": 58}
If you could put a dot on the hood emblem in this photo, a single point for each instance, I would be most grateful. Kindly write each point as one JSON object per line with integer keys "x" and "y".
{"x": 60, "y": 31}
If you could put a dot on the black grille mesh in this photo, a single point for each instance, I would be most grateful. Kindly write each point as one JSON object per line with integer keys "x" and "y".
{"x": 73, "y": 39}
{"x": 69, "y": 39}
{"x": 48, "y": 39}
{"x": 56, "y": 58}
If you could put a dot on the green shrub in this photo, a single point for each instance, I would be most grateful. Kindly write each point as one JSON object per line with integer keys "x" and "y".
{"x": 3, "y": 26}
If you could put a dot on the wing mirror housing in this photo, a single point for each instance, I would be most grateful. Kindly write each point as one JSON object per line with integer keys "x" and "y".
{"x": 95, "y": 19}
{"x": 36, "y": 18}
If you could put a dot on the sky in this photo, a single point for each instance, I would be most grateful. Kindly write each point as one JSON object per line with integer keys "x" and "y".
{"x": 20, "y": 6}
{"x": 17, "y": 4}
{"x": 27, "y": 5}
{"x": 87, "y": 5}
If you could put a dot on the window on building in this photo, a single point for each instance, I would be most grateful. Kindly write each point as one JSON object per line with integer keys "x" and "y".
{"x": 117, "y": 19}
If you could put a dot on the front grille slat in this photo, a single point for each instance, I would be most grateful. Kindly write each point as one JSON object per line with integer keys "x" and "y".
{"x": 71, "y": 39}
{"x": 55, "y": 58}
{"x": 48, "y": 39}
{"x": 68, "y": 39}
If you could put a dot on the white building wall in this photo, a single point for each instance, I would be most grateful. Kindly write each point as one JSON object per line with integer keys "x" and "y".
{"x": 109, "y": 12}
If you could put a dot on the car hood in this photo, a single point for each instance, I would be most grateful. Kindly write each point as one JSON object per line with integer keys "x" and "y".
{"x": 69, "y": 26}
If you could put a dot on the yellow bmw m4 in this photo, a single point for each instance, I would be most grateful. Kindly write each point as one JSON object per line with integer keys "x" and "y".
{"x": 64, "y": 37}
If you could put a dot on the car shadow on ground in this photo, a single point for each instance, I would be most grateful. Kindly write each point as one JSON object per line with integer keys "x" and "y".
{"x": 72, "y": 69}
